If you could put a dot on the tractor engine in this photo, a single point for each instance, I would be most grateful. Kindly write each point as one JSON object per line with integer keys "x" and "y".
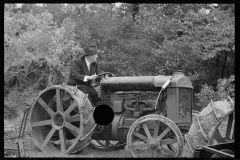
{"x": 133, "y": 97}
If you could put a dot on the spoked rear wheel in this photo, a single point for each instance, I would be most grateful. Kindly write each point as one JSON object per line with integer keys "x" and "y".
{"x": 55, "y": 119}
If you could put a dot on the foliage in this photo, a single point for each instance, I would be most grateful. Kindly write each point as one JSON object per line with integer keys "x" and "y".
{"x": 39, "y": 40}
{"x": 225, "y": 87}
{"x": 135, "y": 39}
{"x": 36, "y": 72}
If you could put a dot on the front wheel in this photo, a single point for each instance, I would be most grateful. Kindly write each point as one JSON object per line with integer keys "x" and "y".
{"x": 152, "y": 136}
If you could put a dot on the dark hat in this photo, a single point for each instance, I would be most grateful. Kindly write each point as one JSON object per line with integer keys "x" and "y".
{"x": 90, "y": 50}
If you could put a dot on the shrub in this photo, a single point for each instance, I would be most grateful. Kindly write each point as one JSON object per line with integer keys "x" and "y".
{"x": 36, "y": 72}
{"x": 225, "y": 87}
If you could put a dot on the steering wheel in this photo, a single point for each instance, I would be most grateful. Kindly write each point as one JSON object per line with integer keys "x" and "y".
{"x": 97, "y": 80}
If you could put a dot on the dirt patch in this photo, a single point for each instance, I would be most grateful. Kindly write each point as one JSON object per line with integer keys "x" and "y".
{"x": 31, "y": 150}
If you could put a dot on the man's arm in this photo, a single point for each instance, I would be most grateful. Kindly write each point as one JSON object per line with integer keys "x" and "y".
{"x": 77, "y": 72}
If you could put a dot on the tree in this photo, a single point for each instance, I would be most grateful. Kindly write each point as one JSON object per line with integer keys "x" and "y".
{"x": 136, "y": 39}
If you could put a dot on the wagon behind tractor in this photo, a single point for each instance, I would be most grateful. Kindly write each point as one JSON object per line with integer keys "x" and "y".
{"x": 152, "y": 117}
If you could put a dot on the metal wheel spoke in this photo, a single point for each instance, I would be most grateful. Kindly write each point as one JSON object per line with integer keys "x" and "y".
{"x": 74, "y": 133}
{"x": 49, "y": 136}
{"x": 111, "y": 143}
{"x": 62, "y": 135}
{"x": 168, "y": 152}
{"x": 59, "y": 101}
{"x": 140, "y": 136}
{"x": 168, "y": 141}
{"x": 45, "y": 106}
{"x": 218, "y": 137}
{"x": 163, "y": 133}
{"x": 100, "y": 142}
{"x": 40, "y": 123}
{"x": 170, "y": 147}
{"x": 75, "y": 118}
{"x": 157, "y": 123}
{"x": 229, "y": 126}
{"x": 73, "y": 105}
{"x": 103, "y": 144}
{"x": 65, "y": 104}
{"x": 72, "y": 128}
{"x": 146, "y": 130}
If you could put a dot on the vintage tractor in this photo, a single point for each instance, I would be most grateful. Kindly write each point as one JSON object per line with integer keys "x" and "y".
{"x": 61, "y": 116}
{"x": 151, "y": 115}
{"x": 137, "y": 121}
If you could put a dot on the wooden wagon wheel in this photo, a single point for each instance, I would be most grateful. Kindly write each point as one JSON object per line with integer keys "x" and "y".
{"x": 55, "y": 119}
{"x": 151, "y": 136}
{"x": 224, "y": 130}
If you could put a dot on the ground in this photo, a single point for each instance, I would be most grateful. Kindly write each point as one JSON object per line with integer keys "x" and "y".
{"x": 32, "y": 150}
{"x": 11, "y": 130}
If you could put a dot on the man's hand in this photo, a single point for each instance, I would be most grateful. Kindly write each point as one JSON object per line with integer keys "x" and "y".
{"x": 92, "y": 77}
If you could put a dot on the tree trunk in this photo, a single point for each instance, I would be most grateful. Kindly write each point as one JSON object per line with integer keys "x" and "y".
{"x": 224, "y": 64}
{"x": 217, "y": 66}
{"x": 111, "y": 12}
{"x": 135, "y": 10}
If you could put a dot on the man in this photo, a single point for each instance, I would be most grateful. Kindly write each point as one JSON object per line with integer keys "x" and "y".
{"x": 83, "y": 71}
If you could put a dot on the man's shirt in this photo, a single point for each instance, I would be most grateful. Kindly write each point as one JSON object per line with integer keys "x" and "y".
{"x": 88, "y": 65}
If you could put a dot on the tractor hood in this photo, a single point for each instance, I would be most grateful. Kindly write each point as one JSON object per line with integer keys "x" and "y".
{"x": 144, "y": 83}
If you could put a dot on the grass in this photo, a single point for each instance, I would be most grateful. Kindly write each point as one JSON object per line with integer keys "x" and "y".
{"x": 15, "y": 103}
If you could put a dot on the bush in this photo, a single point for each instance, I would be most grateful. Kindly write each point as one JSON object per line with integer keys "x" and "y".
{"x": 36, "y": 72}
{"x": 225, "y": 87}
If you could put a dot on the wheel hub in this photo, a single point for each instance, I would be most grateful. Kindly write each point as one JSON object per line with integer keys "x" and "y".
{"x": 154, "y": 144}
{"x": 68, "y": 118}
{"x": 58, "y": 120}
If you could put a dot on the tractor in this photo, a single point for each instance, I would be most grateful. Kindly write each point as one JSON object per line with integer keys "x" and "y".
{"x": 153, "y": 117}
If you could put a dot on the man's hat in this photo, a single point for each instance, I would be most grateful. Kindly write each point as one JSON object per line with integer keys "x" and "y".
{"x": 90, "y": 50}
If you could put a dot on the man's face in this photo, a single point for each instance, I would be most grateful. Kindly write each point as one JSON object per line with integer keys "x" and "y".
{"x": 94, "y": 58}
